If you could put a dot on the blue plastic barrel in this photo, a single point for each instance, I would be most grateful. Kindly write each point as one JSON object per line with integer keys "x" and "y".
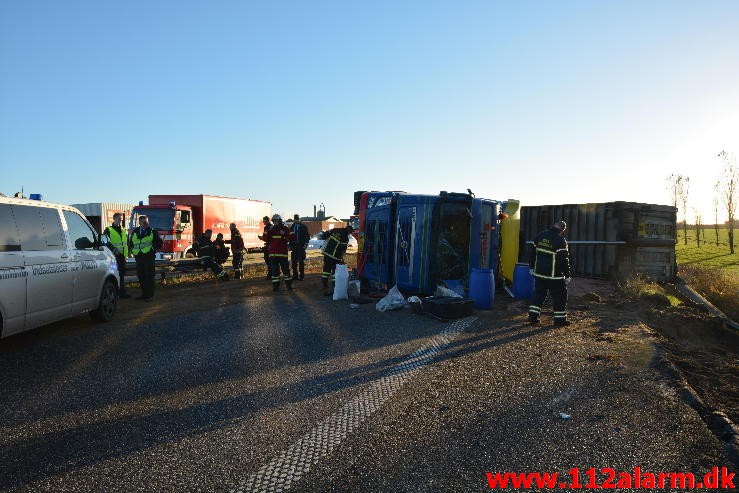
{"x": 523, "y": 281}
{"x": 482, "y": 288}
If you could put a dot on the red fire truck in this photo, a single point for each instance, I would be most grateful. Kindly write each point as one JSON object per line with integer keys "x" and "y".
{"x": 180, "y": 219}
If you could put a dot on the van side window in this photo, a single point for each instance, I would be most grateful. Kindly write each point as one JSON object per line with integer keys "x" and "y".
{"x": 39, "y": 228}
{"x": 82, "y": 236}
{"x": 9, "y": 241}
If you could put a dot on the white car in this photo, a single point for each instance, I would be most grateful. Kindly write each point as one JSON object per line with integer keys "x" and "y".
{"x": 316, "y": 243}
{"x": 51, "y": 266}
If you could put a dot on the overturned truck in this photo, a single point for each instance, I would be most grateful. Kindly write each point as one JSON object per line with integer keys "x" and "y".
{"x": 418, "y": 242}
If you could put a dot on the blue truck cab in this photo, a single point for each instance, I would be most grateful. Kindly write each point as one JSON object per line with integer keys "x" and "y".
{"x": 421, "y": 241}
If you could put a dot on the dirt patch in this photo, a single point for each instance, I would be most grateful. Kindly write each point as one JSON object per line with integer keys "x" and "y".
{"x": 704, "y": 350}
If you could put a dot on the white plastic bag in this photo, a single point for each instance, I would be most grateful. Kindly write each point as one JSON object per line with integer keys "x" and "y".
{"x": 442, "y": 291}
{"x": 341, "y": 282}
{"x": 392, "y": 300}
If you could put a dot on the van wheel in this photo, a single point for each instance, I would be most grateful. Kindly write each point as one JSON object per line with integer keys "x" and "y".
{"x": 107, "y": 304}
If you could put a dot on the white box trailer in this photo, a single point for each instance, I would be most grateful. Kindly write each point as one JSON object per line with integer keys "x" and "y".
{"x": 100, "y": 214}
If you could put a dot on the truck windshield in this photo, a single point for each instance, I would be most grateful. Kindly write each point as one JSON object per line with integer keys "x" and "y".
{"x": 453, "y": 240}
{"x": 159, "y": 219}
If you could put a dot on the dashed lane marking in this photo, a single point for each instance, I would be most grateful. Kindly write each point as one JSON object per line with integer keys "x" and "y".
{"x": 295, "y": 461}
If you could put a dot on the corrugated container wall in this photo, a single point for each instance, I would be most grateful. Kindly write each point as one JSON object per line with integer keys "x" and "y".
{"x": 611, "y": 240}
{"x": 100, "y": 214}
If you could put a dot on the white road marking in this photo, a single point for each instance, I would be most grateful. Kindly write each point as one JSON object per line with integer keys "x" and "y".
{"x": 295, "y": 461}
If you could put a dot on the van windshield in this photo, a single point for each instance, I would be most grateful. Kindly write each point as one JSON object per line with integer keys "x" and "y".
{"x": 159, "y": 219}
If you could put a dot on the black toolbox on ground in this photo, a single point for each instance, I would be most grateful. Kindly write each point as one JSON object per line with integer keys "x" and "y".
{"x": 447, "y": 307}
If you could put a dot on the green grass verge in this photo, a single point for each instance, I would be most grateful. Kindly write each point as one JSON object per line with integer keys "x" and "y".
{"x": 710, "y": 269}
{"x": 641, "y": 288}
{"x": 708, "y": 254}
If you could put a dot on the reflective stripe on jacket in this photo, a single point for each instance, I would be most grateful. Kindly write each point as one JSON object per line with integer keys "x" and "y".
{"x": 550, "y": 258}
{"x": 278, "y": 238}
{"x": 144, "y": 244}
{"x": 119, "y": 241}
{"x": 337, "y": 240}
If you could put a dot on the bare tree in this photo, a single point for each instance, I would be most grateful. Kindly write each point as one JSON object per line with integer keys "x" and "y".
{"x": 698, "y": 226}
{"x": 716, "y": 205}
{"x": 728, "y": 185}
{"x": 679, "y": 185}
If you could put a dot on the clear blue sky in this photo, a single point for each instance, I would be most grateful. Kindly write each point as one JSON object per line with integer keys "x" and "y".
{"x": 302, "y": 103}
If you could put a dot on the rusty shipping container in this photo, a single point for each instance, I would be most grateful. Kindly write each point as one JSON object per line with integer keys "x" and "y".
{"x": 100, "y": 214}
{"x": 612, "y": 240}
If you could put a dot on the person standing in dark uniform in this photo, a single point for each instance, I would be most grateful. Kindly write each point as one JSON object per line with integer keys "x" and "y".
{"x": 337, "y": 240}
{"x": 267, "y": 227}
{"x": 278, "y": 237}
{"x": 297, "y": 247}
{"x": 550, "y": 265}
{"x": 116, "y": 238}
{"x": 144, "y": 242}
{"x": 238, "y": 249}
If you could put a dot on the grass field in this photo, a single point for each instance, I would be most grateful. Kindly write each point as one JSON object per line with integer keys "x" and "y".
{"x": 711, "y": 269}
{"x": 708, "y": 254}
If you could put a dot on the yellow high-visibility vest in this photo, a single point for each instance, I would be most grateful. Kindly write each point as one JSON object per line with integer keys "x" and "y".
{"x": 119, "y": 241}
{"x": 142, "y": 245}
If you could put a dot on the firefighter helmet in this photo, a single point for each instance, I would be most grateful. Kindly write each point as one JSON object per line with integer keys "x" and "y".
{"x": 277, "y": 217}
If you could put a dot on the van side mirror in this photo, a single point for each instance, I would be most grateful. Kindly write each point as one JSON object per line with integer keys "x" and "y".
{"x": 83, "y": 243}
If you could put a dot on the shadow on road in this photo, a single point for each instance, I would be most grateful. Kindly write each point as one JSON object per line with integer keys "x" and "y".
{"x": 189, "y": 343}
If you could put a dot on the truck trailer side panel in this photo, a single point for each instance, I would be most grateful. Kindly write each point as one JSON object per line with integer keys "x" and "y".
{"x": 216, "y": 213}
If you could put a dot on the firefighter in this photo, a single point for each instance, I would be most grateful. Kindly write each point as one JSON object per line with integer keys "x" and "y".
{"x": 337, "y": 240}
{"x": 116, "y": 239}
{"x": 222, "y": 251}
{"x": 206, "y": 250}
{"x": 550, "y": 265}
{"x": 144, "y": 241}
{"x": 297, "y": 247}
{"x": 265, "y": 249}
{"x": 238, "y": 249}
{"x": 278, "y": 238}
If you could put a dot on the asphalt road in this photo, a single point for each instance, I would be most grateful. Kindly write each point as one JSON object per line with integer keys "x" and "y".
{"x": 227, "y": 387}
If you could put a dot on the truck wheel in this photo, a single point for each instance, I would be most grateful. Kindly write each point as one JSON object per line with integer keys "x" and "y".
{"x": 107, "y": 304}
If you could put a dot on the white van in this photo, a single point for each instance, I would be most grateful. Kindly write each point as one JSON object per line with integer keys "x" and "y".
{"x": 51, "y": 266}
